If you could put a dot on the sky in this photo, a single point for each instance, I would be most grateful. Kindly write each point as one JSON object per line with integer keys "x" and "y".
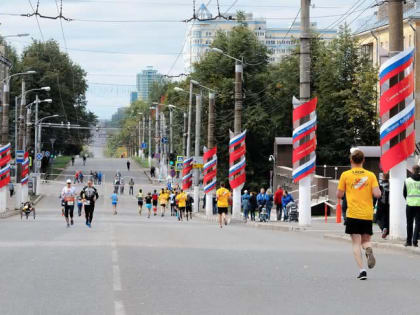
{"x": 142, "y": 33}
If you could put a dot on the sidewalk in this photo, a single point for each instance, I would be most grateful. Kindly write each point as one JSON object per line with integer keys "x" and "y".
{"x": 329, "y": 230}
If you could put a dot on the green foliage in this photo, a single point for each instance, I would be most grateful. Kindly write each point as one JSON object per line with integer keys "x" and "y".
{"x": 68, "y": 87}
{"x": 343, "y": 80}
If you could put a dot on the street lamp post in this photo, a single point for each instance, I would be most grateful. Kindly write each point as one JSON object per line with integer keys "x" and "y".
{"x": 236, "y": 204}
{"x": 36, "y": 149}
{"x": 272, "y": 172}
{"x": 5, "y": 117}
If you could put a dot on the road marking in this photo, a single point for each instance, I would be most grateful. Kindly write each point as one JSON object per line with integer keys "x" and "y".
{"x": 114, "y": 257}
{"x": 117, "y": 278}
{"x": 119, "y": 308}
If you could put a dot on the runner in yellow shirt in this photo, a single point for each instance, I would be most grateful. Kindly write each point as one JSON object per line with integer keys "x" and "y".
{"x": 222, "y": 196}
{"x": 181, "y": 198}
{"x": 163, "y": 200}
{"x": 360, "y": 186}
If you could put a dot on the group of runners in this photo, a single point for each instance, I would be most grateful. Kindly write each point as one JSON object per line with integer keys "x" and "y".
{"x": 178, "y": 201}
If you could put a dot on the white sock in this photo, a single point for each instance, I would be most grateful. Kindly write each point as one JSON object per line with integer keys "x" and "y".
{"x": 361, "y": 270}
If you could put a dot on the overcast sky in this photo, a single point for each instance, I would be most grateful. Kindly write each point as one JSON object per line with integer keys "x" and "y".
{"x": 112, "y": 53}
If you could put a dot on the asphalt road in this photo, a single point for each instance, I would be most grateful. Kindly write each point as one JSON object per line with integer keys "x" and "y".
{"x": 128, "y": 264}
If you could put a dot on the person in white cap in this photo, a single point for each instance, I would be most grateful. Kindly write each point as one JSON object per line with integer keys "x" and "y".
{"x": 68, "y": 195}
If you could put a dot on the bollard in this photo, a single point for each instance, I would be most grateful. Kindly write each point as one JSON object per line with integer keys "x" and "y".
{"x": 338, "y": 212}
{"x": 326, "y": 213}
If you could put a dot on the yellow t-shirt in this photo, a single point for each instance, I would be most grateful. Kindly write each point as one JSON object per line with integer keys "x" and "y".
{"x": 163, "y": 198}
{"x": 358, "y": 184}
{"x": 222, "y": 195}
{"x": 182, "y": 199}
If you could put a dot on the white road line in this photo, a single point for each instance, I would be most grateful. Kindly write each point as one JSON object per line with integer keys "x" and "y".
{"x": 119, "y": 308}
{"x": 114, "y": 257}
{"x": 117, "y": 278}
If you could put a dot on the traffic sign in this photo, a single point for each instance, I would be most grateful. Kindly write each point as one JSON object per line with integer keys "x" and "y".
{"x": 144, "y": 145}
{"x": 165, "y": 140}
{"x": 197, "y": 165}
{"x": 20, "y": 156}
{"x": 47, "y": 154}
{"x": 179, "y": 166}
{"x": 180, "y": 159}
{"x": 39, "y": 156}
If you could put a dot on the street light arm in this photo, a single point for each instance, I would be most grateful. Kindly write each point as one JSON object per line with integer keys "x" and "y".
{"x": 42, "y": 119}
{"x": 225, "y": 54}
{"x": 16, "y": 74}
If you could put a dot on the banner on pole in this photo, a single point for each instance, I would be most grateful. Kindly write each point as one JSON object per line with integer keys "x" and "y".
{"x": 210, "y": 169}
{"x": 187, "y": 174}
{"x": 5, "y": 165}
{"x": 397, "y": 134}
{"x": 237, "y": 159}
{"x": 304, "y": 138}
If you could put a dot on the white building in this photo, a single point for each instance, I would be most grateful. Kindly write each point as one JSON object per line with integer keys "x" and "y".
{"x": 280, "y": 41}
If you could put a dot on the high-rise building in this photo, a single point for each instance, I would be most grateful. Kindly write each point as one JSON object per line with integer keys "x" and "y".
{"x": 134, "y": 96}
{"x": 145, "y": 80}
{"x": 280, "y": 41}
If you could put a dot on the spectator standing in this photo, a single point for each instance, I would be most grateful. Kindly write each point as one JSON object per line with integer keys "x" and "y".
{"x": 253, "y": 205}
{"x": 128, "y": 165}
{"x": 412, "y": 195}
{"x": 11, "y": 189}
{"x": 245, "y": 204}
{"x": 269, "y": 203}
{"x": 278, "y": 195}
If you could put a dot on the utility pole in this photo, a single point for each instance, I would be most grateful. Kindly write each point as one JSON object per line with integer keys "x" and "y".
{"x": 184, "y": 138}
{"x": 305, "y": 95}
{"x": 139, "y": 140}
{"x": 171, "y": 138}
{"x": 21, "y": 130}
{"x": 189, "y": 121}
{"x": 236, "y": 202}
{"x": 5, "y": 113}
{"x": 28, "y": 128}
{"x": 142, "y": 134}
{"x": 150, "y": 140}
{"x": 197, "y": 151}
{"x": 397, "y": 218}
{"x": 35, "y": 162}
{"x": 157, "y": 136}
{"x": 210, "y": 145}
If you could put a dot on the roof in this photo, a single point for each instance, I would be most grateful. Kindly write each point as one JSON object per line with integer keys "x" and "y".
{"x": 283, "y": 140}
{"x": 372, "y": 22}
{"x": 370, "y": 151}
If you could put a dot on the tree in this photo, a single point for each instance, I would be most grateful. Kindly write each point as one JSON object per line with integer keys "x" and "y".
{"x": 68, "y": 87}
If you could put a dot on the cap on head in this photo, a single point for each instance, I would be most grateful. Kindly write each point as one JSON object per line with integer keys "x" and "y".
{"x": 68, "y": 181}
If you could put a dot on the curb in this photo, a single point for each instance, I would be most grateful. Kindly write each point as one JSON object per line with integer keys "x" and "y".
{"x": 38, "y": 199}
{"x": 214, "y": 218}
{"x": 392, "y": 246}
{"x": 148, "y": 177}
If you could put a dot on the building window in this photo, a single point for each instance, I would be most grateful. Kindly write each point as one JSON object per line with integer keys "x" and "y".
{"x": 367, "y": 51}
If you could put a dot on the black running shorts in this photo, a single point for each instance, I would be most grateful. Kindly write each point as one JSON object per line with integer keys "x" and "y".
{"x": 358, "y": 226}
{"x": 221, "y": 210}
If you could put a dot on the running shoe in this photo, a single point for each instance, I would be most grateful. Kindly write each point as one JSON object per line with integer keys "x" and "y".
{"x": 384, "y": 233}
{"x": 71, "y": 222}
{"x": 407, "y": 244}
{"x": 68, "y": 225}
{"x": 89, "y": 225}
{"x": 370, "y": 258}
{"x": 362, "y": 275}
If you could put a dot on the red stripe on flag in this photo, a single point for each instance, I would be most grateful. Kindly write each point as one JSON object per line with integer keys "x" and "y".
{"x": 396, "y": 94}
{"x": 398, "y": 153}
{"x": 397, "y": 131}
{"x": 305, "y": 109}
{"x": 397, "y": 70}
{"x": 304, "y": 150}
